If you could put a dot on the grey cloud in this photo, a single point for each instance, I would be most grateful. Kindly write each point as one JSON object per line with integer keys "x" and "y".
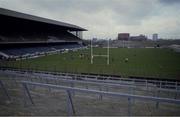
{"x": 105, "y": 18}
{"x": 169, "y": 2}
{"x": 122, "y": 11}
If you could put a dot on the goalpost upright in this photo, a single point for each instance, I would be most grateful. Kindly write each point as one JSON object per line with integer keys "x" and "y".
{"x": 101, "y": 55}
{"x": 91, "y": 52}
{"x": 108, "y": 53}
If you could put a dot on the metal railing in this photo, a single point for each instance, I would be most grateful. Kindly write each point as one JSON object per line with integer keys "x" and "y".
{"x": 125, "y": 83}
{"x": 69, "y": 90}
{"x": 159, "y": 83}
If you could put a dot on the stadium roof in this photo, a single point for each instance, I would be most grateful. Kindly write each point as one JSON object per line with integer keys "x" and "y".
{"x": 15, "y": 14}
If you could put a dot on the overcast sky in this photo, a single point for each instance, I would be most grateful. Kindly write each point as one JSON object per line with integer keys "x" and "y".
{"x": 107, "y": 18}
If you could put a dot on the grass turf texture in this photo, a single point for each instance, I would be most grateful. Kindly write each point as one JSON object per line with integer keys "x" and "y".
{"x": 158, "y": 63}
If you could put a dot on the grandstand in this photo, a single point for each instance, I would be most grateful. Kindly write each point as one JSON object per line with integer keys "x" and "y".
{"x": 23, "y": 35}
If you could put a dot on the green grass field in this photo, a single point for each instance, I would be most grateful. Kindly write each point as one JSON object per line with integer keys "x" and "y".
{"x": 160, "y": 63}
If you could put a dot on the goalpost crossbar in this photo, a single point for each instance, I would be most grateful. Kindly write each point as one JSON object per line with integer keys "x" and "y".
{"x": 100, "y": 55}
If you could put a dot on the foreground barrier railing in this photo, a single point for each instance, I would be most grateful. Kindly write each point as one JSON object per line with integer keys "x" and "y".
{"x": 94, "y": 81}
{"x": 97, "y": 76}
{"x": 4, "y": 90}
{"x": 143, "y": 82}
{"x": 69, "y": 90}
{"x": 131, "y": 88}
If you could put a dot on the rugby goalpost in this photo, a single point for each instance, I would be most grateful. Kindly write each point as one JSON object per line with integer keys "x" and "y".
{"x": 100, "y": 55}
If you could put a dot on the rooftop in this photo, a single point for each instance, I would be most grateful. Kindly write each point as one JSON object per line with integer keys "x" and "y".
{"x": 15, "y": 14}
